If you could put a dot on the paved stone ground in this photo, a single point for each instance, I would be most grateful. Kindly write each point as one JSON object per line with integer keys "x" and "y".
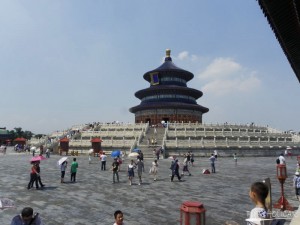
{"x": 93, "y": 199}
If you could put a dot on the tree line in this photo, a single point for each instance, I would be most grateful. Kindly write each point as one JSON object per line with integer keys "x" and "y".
{"x": 17, "y": 132}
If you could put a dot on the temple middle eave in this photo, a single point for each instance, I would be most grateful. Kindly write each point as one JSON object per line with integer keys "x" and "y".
{"x": 168, "y": 89}
{"x": 168, "y": 105}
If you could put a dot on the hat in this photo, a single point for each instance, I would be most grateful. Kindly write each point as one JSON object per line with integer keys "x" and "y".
{"x": 297, "y": 173}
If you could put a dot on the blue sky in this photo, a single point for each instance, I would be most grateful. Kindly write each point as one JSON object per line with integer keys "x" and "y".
{"x": 64, "y": 63}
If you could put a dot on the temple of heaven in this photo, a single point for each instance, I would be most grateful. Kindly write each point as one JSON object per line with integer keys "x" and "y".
{"x": 168, "y": 98}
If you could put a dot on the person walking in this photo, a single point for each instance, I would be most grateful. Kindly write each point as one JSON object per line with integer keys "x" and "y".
{"x": 140, "y": 169}
{"x": 175, "y": 170}
{"x": 212, "y": 163}
{"x": 48, "y": 153}
{"x": 63, "y": 168}
{"x": 130, "y": 170}
{"x": 192, "y": 158}
{"x": 115, "y": 170}
{"x": 154, "y": 169}
{"x": 235, "y": 158}
{"x": 38, "y": 170}
{"x": 74, "y": 167}
{"x": 186, "y": 166}
{"x": 103, "y": 158}
{"x": 296, "y": 184}
{"x": 33, "y": 177}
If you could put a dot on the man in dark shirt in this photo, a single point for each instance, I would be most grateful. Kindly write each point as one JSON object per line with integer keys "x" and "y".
{"x": 115, "y": 169}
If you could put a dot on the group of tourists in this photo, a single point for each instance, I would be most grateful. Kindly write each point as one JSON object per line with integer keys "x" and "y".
{"x": 27, "y": 217}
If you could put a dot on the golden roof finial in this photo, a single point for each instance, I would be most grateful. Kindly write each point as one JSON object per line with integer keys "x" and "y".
{"x": 168, "y": 52}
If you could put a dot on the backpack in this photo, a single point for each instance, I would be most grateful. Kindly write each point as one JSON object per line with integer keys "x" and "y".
{"x": 277, "y": 160}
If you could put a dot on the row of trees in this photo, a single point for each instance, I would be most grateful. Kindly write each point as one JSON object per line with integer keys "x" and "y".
{"x": 18, "y": 132}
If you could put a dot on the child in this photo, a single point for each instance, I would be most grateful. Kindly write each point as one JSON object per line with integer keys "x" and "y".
{"x": 258, "y": 194}
{"x": 118, "y": 218}
{"x": 235, "y": 158}
{"x": 297, "y": 184}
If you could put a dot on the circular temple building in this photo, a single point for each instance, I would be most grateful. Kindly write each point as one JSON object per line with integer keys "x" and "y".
{"x": 168, "y": 98}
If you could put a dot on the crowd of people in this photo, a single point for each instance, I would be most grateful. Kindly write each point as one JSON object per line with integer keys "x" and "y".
{"x": 258, "y": 190}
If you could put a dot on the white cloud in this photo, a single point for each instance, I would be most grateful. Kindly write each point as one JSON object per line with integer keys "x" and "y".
{"x": 221, "y": 67}
{"x": 183, "y": 55}
{"x": 225, "y": 76}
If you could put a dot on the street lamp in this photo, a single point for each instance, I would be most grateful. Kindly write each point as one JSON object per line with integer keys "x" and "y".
{"x": 192, "y": 213}
{"x": 282, "y": 203}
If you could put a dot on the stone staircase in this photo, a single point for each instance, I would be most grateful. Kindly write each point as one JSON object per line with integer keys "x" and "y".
{"x": 146, "y": 145}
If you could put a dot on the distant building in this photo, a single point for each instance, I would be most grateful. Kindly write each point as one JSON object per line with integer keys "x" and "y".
{"x": 168, "y": 98}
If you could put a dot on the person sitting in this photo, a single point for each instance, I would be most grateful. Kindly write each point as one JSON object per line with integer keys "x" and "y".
{"x": 26, "y": 217}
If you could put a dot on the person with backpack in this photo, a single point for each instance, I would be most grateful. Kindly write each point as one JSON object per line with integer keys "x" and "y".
{"x": 27, "y": 218}
{"x": 281, "y": 160}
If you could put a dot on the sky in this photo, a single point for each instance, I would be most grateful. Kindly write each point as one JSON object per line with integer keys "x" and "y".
{"x": 64, "y": 63}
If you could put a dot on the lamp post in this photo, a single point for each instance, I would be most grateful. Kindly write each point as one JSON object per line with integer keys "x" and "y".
{"x": 192, "y": 213}
{"x": 282, "y": 203}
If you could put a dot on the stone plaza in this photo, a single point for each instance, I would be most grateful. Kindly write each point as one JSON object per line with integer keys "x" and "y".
{"x": 93, "y": 199}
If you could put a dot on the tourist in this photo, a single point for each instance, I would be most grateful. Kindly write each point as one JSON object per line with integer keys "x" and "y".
{"x": 119, "y": 160}
{"x": 212, "y": 163}
{"x": 141, "y": 155}
{"x": 74, "y": 167}
{"x": 118, "y": 218}
{"x": 192, "y": 158}
{"x": 188, "y": 157}
{"x": 153, "y": 169}
{"x": 26, "y": 218}
{"x": 33, "y": 177}
{"x": 140, "y": 169}
{"x": 258, "y": 194}
{"x": 41, "y": 150}
{"x": 131, "y": 168}
{"x": 38, "y": 170}
{"x": 115, "y": 170}
{"x": 63, "y": 168}
{"x": 48, "y": 153}
{"x": 216, "y": 154}
{"x": 296, "y": 184}
{"x": 103, "y": 158}
{"x": 157, "y": 153}
{"x": 175, "y": 170}
{"x": 185, "y": 165}
{"x": 281, "y": 159}
{"x": 235, "y": 158}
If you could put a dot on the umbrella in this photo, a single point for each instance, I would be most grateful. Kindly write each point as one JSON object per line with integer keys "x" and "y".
{"x": 37, "y": 158}
{"x": 133, "y": 155}
{"x": 172, "y": 157}
{"x": 62, "y": 160}
{"x": 33, "y": 148}
{"x": 116, "y": 153}
{"x": 91, "y": 151}
{"x": 6, "y": 203}
{"x": 136, "y": 150}
{"x": 288, "y": 148}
